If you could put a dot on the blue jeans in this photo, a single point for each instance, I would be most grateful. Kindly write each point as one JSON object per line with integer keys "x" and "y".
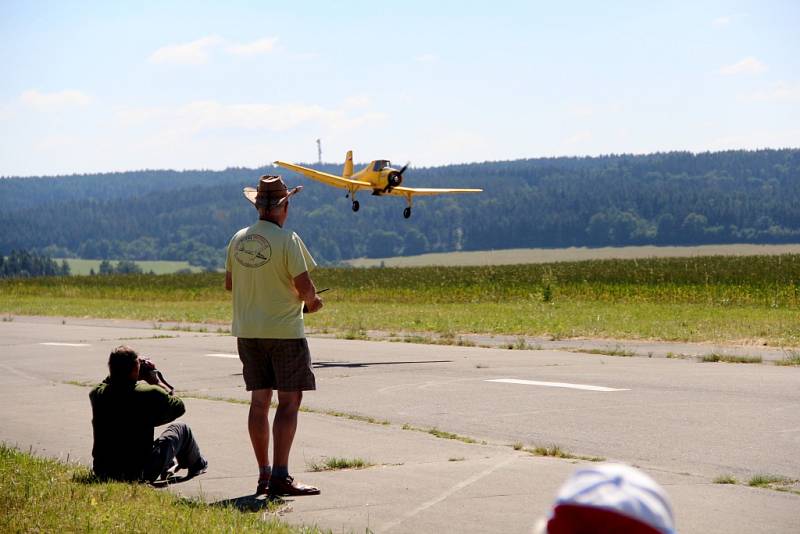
{"x": 175, "y": 443}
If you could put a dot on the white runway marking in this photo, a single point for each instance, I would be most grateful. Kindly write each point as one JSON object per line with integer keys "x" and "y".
{"x": 55, "y": 344}
{"x": 554, "y": 384}
{"x": 220, "y": 355}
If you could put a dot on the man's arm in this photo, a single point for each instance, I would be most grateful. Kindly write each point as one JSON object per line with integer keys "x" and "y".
{"x": 166, "y": 408}
{"x": 228, "y": 281}
{"x": 307, "y": 292}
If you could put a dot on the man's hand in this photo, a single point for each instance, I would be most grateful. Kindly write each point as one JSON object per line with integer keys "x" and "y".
{"x": 151, "y": 375}
{"x": 314, "y": 306}
{"x": 307, "y": 293}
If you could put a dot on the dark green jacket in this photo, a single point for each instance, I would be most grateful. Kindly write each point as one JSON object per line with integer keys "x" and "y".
{"x": 123, "y": 418}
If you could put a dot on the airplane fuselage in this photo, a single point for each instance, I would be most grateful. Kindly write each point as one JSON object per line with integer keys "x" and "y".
{"x": 381, "y": 175}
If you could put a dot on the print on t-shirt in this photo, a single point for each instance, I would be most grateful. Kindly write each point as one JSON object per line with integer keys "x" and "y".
{"x": 253, "y": 251}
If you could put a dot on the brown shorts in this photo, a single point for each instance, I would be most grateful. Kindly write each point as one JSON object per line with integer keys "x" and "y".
{"x": 282, "y": 364}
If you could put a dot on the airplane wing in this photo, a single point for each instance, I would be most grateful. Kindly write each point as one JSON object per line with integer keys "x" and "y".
{"x": 424, "y": 191}
{"x": 325, "y": 178}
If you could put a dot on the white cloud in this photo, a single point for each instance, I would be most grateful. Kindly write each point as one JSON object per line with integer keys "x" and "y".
{"x": 719, "y": 22}
{"x": 579, "y": 137}
{"x": 193, "y": 53}
{"x": 748, "y": 65}
{"x": 261, "y": 46}
{"x": 582, "y": 111}
{"x": 357, "y": 101}
{"x": 779, "y": 92}
{"x": 208, "y": 115}
{"x": 54, "y": 101}
{"x": 427, "y": 58}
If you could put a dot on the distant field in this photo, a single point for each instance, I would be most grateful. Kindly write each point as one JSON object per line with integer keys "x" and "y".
{"x": 546, "y": 255}
{"x": 79, "y": 266}
{"x": 743, "y": 299}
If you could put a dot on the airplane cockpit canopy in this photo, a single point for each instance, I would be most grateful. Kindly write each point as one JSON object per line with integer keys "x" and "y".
{"x": 381, "y": 164}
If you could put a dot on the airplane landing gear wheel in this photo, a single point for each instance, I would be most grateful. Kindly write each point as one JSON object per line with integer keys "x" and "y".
{"x": 407, "y": 213}
{"x": 355, "y": 205}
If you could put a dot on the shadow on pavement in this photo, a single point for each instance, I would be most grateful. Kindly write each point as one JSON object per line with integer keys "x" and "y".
{"x": 349, "y": 364}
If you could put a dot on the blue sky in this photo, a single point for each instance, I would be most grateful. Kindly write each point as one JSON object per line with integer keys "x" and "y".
{"x": 109, "y": 86}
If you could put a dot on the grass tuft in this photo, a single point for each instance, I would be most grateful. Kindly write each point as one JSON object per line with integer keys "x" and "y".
{"x": 677, "y": 356}
{"x": 726, "y": 479}
{"x": 335, "y": 463}
{"x": 442, "y": 434}
{"x": 790, "y": 358}
{"x": 553, "y": 450}
{"x": 556, "y": 451}
{"x": 764, "y": 481}
{"x": 729, "y": 358}
{"x": 520, "y": 344}
{"x": 616, "y": 351}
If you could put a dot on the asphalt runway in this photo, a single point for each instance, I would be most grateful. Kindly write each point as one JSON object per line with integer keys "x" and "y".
{"x": 681, "y": 421}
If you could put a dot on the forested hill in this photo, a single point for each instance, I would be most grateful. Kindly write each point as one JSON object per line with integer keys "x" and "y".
{"x": 675, "y": 198}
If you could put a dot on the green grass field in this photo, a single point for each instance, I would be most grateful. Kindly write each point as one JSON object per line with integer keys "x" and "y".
{"x": 41, "y": 495}
{"x": 720, "y": 299}
{"x": 83, "y": 267}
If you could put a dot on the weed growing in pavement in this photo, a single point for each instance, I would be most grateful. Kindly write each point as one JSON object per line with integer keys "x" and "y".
{"x": 354, "y": 333}
{"x": 351, "y": 416}
{"x": 553, "y": 450}
{"x": 520, "y": 344}
{"x": 517, "y": 445}
{"x": 424, "y": 340}
{"x": 767, "y": 481}
{"x": 456, "y": 459}
{"x": 442, "y": 434}
{"x": 790, "y": 358}
{"x": 777, "y": 483}
{"x": 677, "y": 356}
{"x": 335, "y": 463}
{"x": 729, "y": 358}
{"x": 726, "y": 479}
{"x": 616, "y": 351}
{"x": 556, "y": 451}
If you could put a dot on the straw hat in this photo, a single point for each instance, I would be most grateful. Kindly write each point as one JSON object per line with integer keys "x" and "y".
{"x": 271, "y": 192}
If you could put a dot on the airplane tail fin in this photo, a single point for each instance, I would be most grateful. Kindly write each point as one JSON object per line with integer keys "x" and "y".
{"x": 347, "y": 172}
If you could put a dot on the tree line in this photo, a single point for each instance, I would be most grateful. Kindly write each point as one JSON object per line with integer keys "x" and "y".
{"x": 25, "y": 264}
{"x": 674, "y": 198}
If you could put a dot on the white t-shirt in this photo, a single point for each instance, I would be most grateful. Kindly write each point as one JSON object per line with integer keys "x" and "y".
{"x": 263, "y": 260}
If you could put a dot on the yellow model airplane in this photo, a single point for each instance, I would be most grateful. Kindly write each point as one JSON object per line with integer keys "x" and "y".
{"x": 378, "y": 176}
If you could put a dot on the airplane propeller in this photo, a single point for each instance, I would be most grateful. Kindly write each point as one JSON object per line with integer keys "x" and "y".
{"x": 395, "y": 178}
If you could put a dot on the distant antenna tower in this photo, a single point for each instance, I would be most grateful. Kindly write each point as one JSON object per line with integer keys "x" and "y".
{"x": 319, "y": 151}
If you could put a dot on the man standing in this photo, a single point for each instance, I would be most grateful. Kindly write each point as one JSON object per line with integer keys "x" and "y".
{"x": 267, "y": 270}
{"x": 124, "y": 414}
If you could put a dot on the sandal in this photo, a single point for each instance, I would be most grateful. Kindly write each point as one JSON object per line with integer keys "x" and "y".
{"x": 288, "y": 486}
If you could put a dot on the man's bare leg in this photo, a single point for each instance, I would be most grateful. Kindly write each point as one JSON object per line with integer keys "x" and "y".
{"x": 283, "y": 430}
{"x": 258, "y": 427}
{"x": 285, "y": 425}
